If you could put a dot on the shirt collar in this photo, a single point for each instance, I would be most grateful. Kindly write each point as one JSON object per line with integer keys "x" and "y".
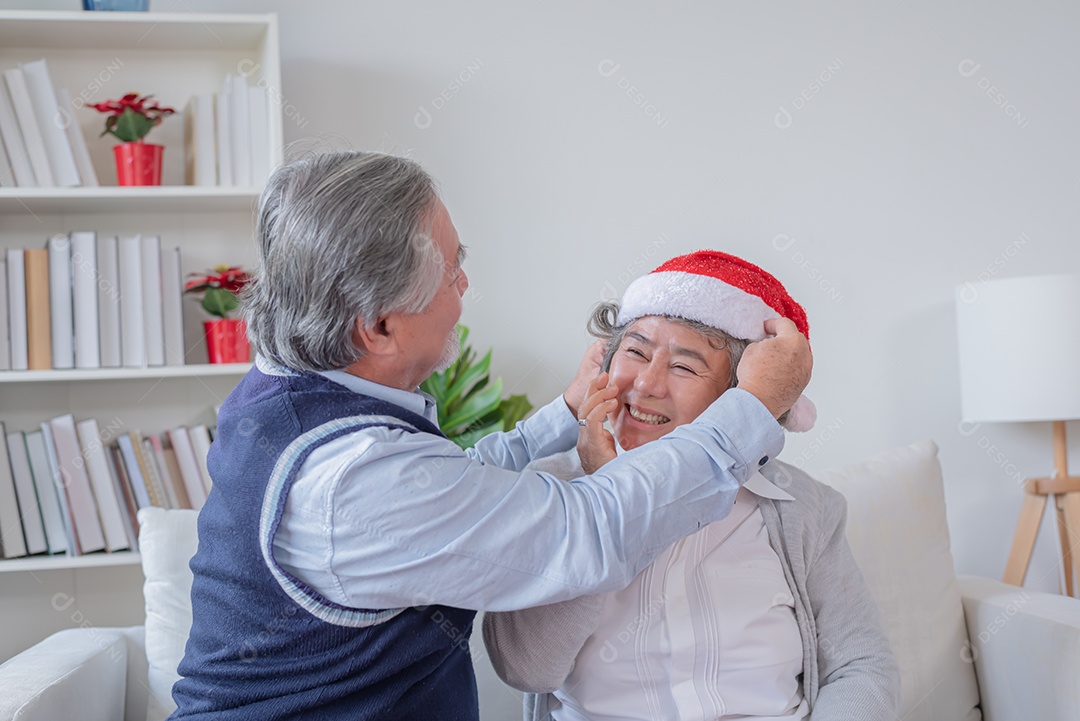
{"x": 759, "y": 485}
{"x": 416, "y": 401}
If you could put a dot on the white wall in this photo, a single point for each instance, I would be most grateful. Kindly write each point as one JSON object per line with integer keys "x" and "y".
{"x": 892, "y": 178}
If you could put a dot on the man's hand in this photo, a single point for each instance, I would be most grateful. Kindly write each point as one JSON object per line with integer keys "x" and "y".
{"x": 595, "y": 445}
{"x": 587, "y": 372}
{"x": 777, "y": 369}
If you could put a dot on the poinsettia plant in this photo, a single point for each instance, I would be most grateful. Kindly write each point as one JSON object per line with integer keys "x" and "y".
{"x": 131, "y": 118}
{"x": 219, "y": 288}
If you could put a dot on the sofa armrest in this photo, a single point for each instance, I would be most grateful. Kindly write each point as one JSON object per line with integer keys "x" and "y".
{"x": 76, "y": 673}
{"x": 1026, "y": 649}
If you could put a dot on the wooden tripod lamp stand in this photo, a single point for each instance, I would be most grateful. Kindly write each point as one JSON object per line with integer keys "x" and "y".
{"x": 1020, "y": 362}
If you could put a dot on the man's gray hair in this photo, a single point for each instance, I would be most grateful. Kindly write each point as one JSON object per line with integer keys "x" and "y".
{"x": 339, "y": 236}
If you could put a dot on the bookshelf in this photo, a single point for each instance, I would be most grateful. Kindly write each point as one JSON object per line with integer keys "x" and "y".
{"x": 99, "y": 56}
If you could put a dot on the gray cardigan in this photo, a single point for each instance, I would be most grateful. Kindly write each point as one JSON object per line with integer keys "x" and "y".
{"x": 849, "y": 671}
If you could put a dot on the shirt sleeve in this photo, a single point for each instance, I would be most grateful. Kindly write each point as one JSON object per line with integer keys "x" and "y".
{"x": 534, "y": 649}
{"x": 550, "y": 430}
{"x": 412, "y": 520}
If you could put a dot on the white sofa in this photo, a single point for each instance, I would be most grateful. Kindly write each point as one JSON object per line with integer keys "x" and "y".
{"x": 968, "y": 648}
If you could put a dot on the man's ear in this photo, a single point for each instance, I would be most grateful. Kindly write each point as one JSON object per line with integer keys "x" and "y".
{"x": 378, "y": 339}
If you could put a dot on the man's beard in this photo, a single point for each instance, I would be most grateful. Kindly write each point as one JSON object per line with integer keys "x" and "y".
{"x": 450, "y": 352}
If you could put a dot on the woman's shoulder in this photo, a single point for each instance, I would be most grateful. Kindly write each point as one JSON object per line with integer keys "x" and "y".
{"x": 813, "y": 498}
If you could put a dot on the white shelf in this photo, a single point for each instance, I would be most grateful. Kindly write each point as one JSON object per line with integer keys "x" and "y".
{"x": 97, "y": 374}
{"x": 76, "y": 30}
{"x": 142, "y": 199}
{"x": 59, "y": 563}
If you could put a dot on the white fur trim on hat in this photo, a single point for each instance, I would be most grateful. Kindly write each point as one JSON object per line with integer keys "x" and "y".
{"x": 697, "y": 297}
{"x": 802, "y": 415}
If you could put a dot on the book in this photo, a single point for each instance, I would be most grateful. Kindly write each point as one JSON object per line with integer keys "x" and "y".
{"x": 154, "y": 489}
{"x": 153, "y": 318}
{"x": 60, "y": 308}
{"x": 29, "y": 126}
{"x": 259, "y": 112}
{"x": 223, "y": 124}
{"x": 46, "y": 492}
{"x": 200, "y": 162}
{"x": 29, "y": 508}
{"x": 131, "y": 470}
{"x": 241, "y": 129}
{"x": 108, "y": 267}
{"x": 7, "y": 173}
{"x": 38, "y": 341}
{"x": 84, "y": 295}
{"x": 60, "y": 486}
{"x": 11, "y": 532}
{"x": 103, "y": 485}
{"x": 78, "y": 142}
{"x": 189, "y": 466}
{"x": 132, "y": 343}
{"x": 5, "y": 347}
{"x": 200, "y": 443}
{"x": 80, "y": 496}
{"x": 158, "y": 472}
{"x": 172, "y": 307}
{"x": 124, "y": 491}
{"x": 182, "y": 500}
{"x": 12, "y": 138}
{"x": 52, "y": 124}
{"x": 16, "y": 287}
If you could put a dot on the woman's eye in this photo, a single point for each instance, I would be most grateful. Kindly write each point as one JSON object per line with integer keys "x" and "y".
{"x": 684, "y": 368}
{"x": 635, "y": 351}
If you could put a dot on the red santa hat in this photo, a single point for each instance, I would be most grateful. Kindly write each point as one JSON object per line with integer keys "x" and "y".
{"x": 722, "y": 291}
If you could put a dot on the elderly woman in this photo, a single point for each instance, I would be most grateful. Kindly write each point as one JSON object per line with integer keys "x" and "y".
{"x": 761, "y": 615}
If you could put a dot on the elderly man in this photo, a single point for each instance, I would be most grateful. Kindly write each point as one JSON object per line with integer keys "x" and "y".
{"x": 347, "y": 545}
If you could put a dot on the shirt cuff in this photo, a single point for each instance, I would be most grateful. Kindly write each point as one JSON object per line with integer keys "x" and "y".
{"x": 552, "y": 429}
{"x": 754, "y": 434}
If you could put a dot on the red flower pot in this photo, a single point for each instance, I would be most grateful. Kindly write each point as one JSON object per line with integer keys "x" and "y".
{"x": 226, "y": 341}
{"x": 138, "y": 163}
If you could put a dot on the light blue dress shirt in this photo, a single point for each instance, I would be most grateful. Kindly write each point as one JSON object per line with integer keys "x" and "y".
{"x": 384, "y": 518}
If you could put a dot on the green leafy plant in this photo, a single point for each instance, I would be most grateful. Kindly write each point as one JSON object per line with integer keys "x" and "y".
{"x": 469, "y": 401}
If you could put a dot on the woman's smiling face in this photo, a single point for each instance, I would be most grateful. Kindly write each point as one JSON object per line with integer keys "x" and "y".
{"x": 667, "y": 374}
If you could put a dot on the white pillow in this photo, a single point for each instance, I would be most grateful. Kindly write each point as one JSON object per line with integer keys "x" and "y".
{"x": 899, "y": 535}
{"x": 167, "y": 541}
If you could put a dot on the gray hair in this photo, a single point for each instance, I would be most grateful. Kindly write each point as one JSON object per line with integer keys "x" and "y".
{"x": 339, "y": 236}
{"x": 602, "y": 324}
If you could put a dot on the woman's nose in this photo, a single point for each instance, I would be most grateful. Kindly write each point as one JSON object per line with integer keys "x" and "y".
{"x": 650, "y": 380}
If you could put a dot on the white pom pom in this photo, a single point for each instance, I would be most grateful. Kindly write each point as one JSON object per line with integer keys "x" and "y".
{"x": 802, "y": 415}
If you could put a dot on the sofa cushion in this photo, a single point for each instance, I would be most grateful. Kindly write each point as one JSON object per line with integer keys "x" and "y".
{"x": 167, "y": 541}
{"x": 899, "y": 536}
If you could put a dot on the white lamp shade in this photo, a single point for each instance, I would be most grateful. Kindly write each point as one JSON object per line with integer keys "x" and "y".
{"x": 1020, "y": 348}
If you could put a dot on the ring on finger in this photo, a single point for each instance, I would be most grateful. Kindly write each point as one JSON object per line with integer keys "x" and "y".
{"x": 582, "y": 421}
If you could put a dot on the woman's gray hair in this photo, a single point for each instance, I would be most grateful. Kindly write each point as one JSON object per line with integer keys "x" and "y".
{"x": 602, "y": 324}
{"x": 339, "y": 236}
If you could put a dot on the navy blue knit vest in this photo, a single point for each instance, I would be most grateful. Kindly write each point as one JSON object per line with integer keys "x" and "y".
{"x": 263, "y": 644}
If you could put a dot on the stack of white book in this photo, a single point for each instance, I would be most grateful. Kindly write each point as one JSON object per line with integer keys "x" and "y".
{"x": 227, "y": 136}
{"x": 41, "y": 144}
{"x": 85, "y": 301}
{"x": 75, "y": 487}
